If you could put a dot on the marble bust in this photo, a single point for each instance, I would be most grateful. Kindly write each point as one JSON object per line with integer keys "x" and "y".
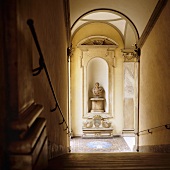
{"x": 97, "y": 90}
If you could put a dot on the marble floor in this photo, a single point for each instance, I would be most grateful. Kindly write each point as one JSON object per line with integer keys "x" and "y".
{"x": 115, "y": 144}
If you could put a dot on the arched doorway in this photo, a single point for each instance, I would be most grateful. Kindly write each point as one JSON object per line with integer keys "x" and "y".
{"x": 79, "y": 101}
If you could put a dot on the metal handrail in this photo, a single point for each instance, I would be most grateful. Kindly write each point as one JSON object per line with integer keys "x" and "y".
{"x": 42, "y": 65}
{"x": 167, "y": 126}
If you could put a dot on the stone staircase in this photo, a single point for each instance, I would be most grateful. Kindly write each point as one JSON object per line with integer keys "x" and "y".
{"x": 108, "y": 161}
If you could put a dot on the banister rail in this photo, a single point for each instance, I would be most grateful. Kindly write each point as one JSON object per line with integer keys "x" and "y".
{"x": 167, "y": 126}
{"x": 42, "y": 66}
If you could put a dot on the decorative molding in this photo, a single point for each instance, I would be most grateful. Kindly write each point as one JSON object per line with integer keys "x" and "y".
{"x": 97, "y": 42}
{"x": 33, "y": 141}
{"x": 81, "y": 61}
{"x": 112, "y": 56}
{"x": 156, "y": 13}
{"x": 84, "y": 59}
{"x": 106, "y": 20}
{"x": 131, "y": 54}
{"x": 27, "y": 118}
{"x": 97, "y": 46}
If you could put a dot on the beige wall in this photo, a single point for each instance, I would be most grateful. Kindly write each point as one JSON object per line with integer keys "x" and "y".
{"x": 51, "y": 32}
{"x": 154, "y": 82}
{"x": 76, "y": 76}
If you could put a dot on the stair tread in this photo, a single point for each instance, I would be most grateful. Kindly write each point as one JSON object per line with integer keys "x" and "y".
{"x": 111, "y": 161}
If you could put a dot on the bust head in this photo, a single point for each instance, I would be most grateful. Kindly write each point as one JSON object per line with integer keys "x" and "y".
{"x": 96, "y": 84}
{"x": 97, "y": 90}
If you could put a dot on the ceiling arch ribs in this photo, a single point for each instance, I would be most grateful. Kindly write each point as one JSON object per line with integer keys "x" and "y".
{"x": 109, "y": 16}
{"x": 90, "y": 22}
{"x": 108, "y": 20}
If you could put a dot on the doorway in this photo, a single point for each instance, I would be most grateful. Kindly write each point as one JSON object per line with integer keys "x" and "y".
{"x": 93, "y": 49}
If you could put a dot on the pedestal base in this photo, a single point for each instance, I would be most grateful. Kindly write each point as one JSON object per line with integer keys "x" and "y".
{"x": 97, "y": 132}
{"x": 97, "y": 111}
{"x": 97, "y": 104}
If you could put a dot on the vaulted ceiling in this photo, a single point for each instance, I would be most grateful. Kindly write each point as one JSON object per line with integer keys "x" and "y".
{"x": 128, "y": 17}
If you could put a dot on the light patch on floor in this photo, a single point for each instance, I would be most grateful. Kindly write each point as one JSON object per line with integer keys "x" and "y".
{"x": 130, "y": 142}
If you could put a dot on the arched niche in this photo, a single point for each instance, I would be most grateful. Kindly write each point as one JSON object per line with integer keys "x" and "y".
{"x": 97, "y": 61}
{"x": 98, "y": 71}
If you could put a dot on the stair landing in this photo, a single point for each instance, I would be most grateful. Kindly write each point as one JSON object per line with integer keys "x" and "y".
{"x": 108, "y": 161}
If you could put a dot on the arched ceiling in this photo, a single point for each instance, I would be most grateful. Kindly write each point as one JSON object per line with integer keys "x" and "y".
{"x": 129, "y": 17}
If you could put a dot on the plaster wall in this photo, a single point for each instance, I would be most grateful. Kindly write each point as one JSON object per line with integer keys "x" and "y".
{"x": 76, "y": 76}
{"x": 16, "y": 62}
{"x": 24, "y": 58}
{"x": 16, "y": 79}
{"x": 154, "y": 83}
{"x": 20, "y": 56}
{"x": 50, "y": 27}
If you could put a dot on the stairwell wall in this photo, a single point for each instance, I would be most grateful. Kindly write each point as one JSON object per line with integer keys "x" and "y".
{"x": 49, "y": 21}
{"x": 154, "y": 86}
{"x": 19, "y": 89}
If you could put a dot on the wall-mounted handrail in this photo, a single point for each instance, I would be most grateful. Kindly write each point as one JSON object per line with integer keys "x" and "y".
{"x": 167, "y": 126}
{"x": 42, "y": 65}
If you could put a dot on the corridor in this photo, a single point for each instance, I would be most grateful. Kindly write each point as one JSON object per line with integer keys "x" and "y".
{"x": 84, "y": 68}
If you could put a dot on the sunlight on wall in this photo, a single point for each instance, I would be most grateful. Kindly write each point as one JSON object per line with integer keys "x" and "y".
{"x": 154, "y": 84}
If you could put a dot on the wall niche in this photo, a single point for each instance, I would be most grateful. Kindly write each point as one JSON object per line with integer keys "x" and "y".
{"x": 97, "y": 71}
{"x": 98, "y": 63}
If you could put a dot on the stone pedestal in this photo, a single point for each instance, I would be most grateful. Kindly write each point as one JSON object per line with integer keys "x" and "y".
{"x": 97, "y": 127}
{"x": 97, "y": 132}
{"x": 97, "y": 104}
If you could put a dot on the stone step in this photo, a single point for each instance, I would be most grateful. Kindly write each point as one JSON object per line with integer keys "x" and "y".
{"x": 111, "y": 161}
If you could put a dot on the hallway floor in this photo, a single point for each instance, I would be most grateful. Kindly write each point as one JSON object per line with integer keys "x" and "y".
{"x": 115, "y": 144}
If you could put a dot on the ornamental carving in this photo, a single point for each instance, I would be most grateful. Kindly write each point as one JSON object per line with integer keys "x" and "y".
{"x": 97, "y": 121}
{"x": 95, "y": 41}
{"x": 98, "y": 41}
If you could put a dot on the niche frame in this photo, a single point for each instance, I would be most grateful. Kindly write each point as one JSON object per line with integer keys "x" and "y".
{"x": 104, "y": 48}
